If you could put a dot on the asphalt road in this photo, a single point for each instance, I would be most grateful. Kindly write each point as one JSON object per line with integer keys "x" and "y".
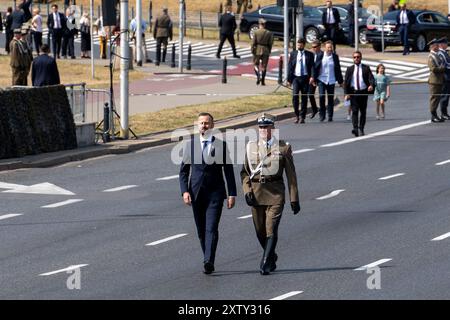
{"x": 319, "y": 249}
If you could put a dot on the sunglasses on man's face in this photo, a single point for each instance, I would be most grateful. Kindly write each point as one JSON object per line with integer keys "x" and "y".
{"x": 357, "y": 57}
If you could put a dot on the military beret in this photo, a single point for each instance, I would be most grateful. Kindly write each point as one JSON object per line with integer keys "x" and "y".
{"x": 266, "y": 120}
{"x": 433, "y": 41}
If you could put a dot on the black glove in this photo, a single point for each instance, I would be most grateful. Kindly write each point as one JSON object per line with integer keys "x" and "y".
{"x": 295, "y": 207}
{"x": 250, "y": 199}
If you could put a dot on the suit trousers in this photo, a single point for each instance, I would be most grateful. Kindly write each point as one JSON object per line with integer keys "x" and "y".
{"x": 68, "y": 46}
{"x": 326, "y": 90}
{"x": 266, "y": 220}
{"x": 404, "y": 32}
{"x": 445, "y": 98}
{"x": 358, "y": 102}
{"x": 207, "y": 212}
{"x": 312, "y": 98}
{"x": 230, "y": 39}
{"x": 164, "y": 42}
{"x": 37, "y": 37}
{"x": 300, "y": 84}
{"x": 56, "y": 42}
{"x": 435, "y": 96}
{"x": 331, "y": 32}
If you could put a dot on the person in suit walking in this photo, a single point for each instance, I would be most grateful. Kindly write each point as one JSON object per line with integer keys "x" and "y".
{"x": 262, "y": 181}
{"x": 18, "y": 18}
{"x": 405, "y": 19}
{"x": 205, "y": 161}
{"x": 331, "y": 20}
{"x": 436, "y": 80}
{"x": 358, "y": 83}
{"x": 227, "y": 24}
{"x": 44, "y": 70}
{"x": 261, "y": 48}
{"x": 316, "y": 50}
{"x": 68, "y": 37}
{"x": 9, "y": 32}
{"x": 445, "y": 57}
{"x": 162, "y": 31}
{"x": 300, "y": 77}
{"x": 56, "y": 23}
{"x": 327, "y": 71}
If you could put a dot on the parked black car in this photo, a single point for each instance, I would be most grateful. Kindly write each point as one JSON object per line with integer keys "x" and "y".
{"x": 313, "y": 28}
{"x": 429, "y": 25}
{"x": 363, "y": 16}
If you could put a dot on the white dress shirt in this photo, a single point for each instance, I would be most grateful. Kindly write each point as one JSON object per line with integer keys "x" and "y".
{"x": 327, "y": 75}
{"x": 207, "y": 149}
{"x": 330, "y": 16}
{"x": 362, "y": 85}
{"x": 403, "y": 17}
{"x": 57, "y": 24}
{"x": 301, "y": 60}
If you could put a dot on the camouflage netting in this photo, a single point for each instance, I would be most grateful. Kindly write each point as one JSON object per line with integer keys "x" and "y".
{"x": 35, "y": 120}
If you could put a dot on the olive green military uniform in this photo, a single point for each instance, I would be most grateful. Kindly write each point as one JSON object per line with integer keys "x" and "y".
{"x": 262, "y": 46}
{"x": 436, "y": 80}
{"x": 20, "y": 63}
{"x": 162, "y": 31}
{"x": 262, "y": 175}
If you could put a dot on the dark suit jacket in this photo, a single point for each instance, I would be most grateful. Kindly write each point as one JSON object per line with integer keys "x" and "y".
{"x": 17, "y": 19}
{"x": 51, "y": 22}
{"x": 25, "y": 6}
{"x": 337, "y": 67}
{"x": 196, "y": 174}
{"x": 411, "y": 17}
{"x": 337, "y": 16}
{"x": 227, "y": 24}
{"x": 44, "y": 71}
{"x": 309, "y": 62}
{"x": 367, "y": 77}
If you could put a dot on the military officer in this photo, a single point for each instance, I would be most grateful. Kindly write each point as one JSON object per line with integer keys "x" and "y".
{"x": 20, "y": 59}
{"x": 436, "y": 80}
{"x": 161, "y": 32}
{"x": 264, "y": 188}
{"x": 443, "y": 54}
{"x": 261, "y": 47}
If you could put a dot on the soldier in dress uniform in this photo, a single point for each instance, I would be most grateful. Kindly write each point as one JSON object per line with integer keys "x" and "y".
{"x": 264, "y": 188}
{"x": 436, "y": 80}
{"x": 261, "y": 47}
{"x": 20, "y": 59}
{"x": 162, "y": 31}
{"x": 443, "y": 54}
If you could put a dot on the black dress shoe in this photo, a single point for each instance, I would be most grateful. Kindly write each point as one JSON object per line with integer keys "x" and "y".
{"x": 217, "y": 56}
{"x": 330, "y": 119}
{"x": 361, "y": 132}
{"x": 437, "y": 119}
{"x": 445, "y": 117}
{"x": 355, "y": 132}
{"x": 302, "y": 120}
{"x": 313, "y": 114}
{"x": 236, "y": 56}
{"x": 296, "y": 120}
{"x": 209, "y": 268}
{"x": 322, "y": 119}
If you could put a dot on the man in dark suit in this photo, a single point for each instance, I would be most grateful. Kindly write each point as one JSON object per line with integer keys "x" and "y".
{"x": 205, "y": 160}
{"x": 358, "y": 83}
{"x": 227, "y": 24}
{"x": 327, "y": 71}
{"x": 44, "y": 70}
{"x": 56, "y": 23}
{"x": 316, "y": 50}
{"x": 18, "y": 18}
{"x": 25, "y": 6}
{"x": 331, "y": 20}
{"x": 405, "y": 19}
{"x": 300, "y": 70}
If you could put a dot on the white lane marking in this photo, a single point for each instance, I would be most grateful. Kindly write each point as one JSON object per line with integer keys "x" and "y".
{"x": 411, "y": 64}
{"x": 70, "y": 268}
{"x": 302, "y": 151}
{"x": 444, "y": 236}
{"x": 10, "y": 215}
{"x": 166, "y": 239}
{"x": 245, "y": 217}
{"x": 443, "y": 162}
{"x": 63, "y": 203}
{"x": 40, "y": 188}
{"x": 376, "y": 134}
{"x": 373, "y": 264}
{"x": 168, "y": 178}
{"x": 392, "y": 176}
{"x": 120, "y": 188}
{"x": 331, "y": 195}
{"x": 287, "y": 295}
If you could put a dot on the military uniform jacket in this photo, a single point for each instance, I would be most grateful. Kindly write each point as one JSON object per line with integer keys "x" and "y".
{"x": 275, "y": 160}
{"x": 20, "y": 55}
{"x": 437, "y": 69}
{"x": 163, "y": 27}
{"x": 262, "y": 42}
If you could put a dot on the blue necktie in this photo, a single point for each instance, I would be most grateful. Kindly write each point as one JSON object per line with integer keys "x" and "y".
{"x": 205, "y": 144}
{"x": 301, "y": 64}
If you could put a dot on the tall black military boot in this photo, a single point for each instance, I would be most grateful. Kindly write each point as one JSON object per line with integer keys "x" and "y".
{"x": 266, "y": 262}
{"x": 164, "y": 55}
{"x": 263, "y": 78}
{"x": 273, "y": 255}
{"x": 258, "y": 78}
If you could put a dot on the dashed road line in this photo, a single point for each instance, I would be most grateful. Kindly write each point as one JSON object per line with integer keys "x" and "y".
{"x": 245, "y": 217}
{"x": 373, "y": 264}
{"x": 10, "y": 215}
{"x": 70, "y": 268}
{"x": 302, "y": 151}
{"x": 168, "y": 178}
{"x": 63, "y": 203}
{"x": 444, "y": 236}
{"x": 120, "y": 188}
{"x": 287, "y": 295}
{"x": 166, "y": 239}
{"x": 443, "y": 162}
{"x": 331, "y": 195}
{"x": 392, "y": 176}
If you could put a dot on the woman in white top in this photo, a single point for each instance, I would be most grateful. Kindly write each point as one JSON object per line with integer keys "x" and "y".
{"x": 85, "y": 30}
{"x": 36, "y": 29}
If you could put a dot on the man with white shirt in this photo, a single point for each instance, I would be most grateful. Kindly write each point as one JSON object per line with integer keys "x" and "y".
{"x": 405, "y": 19}
{"x": 331, "y": 19}
{"x": 300, "y": 70}
{"x": 327, "y": 71}
{"x": 56, "y": 23}
{"x": 205, "y": 163}
{"x": 358, "y": 84}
